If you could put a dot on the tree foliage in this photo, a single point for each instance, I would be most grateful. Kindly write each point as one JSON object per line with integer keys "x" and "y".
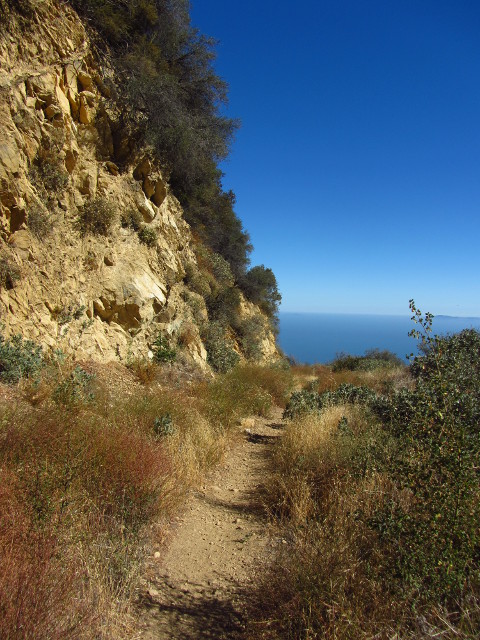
{"x": 260, "y": 286}
{"x": 174, "y": 99}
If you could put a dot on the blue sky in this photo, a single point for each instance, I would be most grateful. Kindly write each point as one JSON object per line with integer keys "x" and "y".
{"x": 356, "y": 167}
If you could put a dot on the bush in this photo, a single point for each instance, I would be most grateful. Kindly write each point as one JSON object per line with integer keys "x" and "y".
{"x": 302, "y": 402}
{"x": 75, "y": 389}
{"x": 19, "y": 358}
{"x": 251, "y": 333}
{"x": 147, "y": 236}
{"x": 197, "y": 281}
{"x": 162, "y": 352}
{"x": 96, "y": 216}
{"x": 132, "y": 219}
{"x": 163, "y": 426}
{"x": 39, "y": 222}
{"x": 221, "y": 270}
{"x": 221, "y": 355}
{"x": 47, "y": 171}
{"x": 223, "y": 306}
{"x": 435, "y": 534}
{"x": 373, "y": 359}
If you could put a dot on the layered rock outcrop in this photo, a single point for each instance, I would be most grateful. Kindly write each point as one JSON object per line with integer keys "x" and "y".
{"x": 96, "y": 294}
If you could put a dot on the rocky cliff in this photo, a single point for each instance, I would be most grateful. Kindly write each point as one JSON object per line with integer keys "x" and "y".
{"x": 95, "y": 256}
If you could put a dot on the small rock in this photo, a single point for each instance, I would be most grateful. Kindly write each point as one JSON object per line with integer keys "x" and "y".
{"x": 156, "y": 554}
{"x": 112, "y": 167}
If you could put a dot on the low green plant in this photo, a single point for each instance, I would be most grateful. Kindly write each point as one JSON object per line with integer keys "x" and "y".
{"x": 197, "y": 281}
{"x": 75, "y": 389}
{"x": 162, "y": 351}
{"x": 373, "y": 359}
{"x": 220, "y": 352}
{"x": 251, "y": 332}
{"x": 39, "y": 222}
{"x": 19, "y": 358}
{"x": 163, "y": 426}
{"x": 147, "y": 236}
{"x": 131, "y": 219}
{"x": 96, "y": 216}
{"x": 48, "y": 174}
{"x": 312, "y": 402}
{"x": 221, "y": 270}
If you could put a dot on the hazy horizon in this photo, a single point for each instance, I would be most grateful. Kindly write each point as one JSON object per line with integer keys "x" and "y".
{"x": 354, "y": 313}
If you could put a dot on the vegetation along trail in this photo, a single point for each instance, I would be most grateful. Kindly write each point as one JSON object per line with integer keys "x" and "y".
{"x": 195, "y": 587}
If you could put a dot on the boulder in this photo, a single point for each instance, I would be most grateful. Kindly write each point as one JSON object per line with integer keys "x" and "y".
{"x": 160, "y": 193}
{"x": 143, "y": 169}
{"x": 145, "y": 207}
{"x": 149, "y": 187}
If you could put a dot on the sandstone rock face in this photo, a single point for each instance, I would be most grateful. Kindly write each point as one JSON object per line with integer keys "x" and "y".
{"x": 94, "y": 296}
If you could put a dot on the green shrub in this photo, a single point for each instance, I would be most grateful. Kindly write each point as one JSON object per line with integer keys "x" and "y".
{"x": 221, "y": 355}
{"x": 373, "y": 359}
{"x": 260, "y": 286}
{"x": 96, "y": 216}
{"x": 162, "y": 352}
{"x": 434, "y": 537}
{"x": 164, "y": 426}
{"x": 221, "y": 270}
{"x": 223, "y": 306}
{"x": 19, "y": 358}
{"x": 47, "y": 171}
{"x": 197, "y": 281}
{"x": 312, "y": 402}
{"x": 75, "y": 389}
{"x": 251, "y": 332}
{"x": 131, "y": 219}
{"x": 147, "y": 236}
{"x": 39, "y": 222}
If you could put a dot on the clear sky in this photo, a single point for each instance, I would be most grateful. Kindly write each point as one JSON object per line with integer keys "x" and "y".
{"x": 357, "y": 165}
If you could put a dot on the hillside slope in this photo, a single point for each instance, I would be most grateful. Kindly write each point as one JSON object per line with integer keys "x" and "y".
{"x": 95, "y": 255}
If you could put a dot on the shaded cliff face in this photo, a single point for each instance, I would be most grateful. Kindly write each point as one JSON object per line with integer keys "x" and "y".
{"x": 94, "y": 250}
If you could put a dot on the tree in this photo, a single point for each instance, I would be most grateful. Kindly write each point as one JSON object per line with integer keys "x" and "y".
{"x": 260, "y": 287}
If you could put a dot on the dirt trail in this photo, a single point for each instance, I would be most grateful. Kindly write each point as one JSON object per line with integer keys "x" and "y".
{"x": 195, "y": 588}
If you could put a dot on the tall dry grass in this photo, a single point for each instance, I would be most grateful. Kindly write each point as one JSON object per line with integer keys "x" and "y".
{"x": 332, "y": 580}
{"x": 87, "y": 464}
{"x": 321, "y": 378}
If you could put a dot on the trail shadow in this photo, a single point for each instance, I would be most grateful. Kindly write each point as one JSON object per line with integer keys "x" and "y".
{"x": 276, "y": 425}
{"x": 192, "y": 615}
{"x": 258, "y": 438}
{"x": 249, "y": 505}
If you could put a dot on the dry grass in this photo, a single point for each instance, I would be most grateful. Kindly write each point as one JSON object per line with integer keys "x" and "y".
{"x": 321, "y": 378}
{"x": 86, "y": 470}
{"x": 321, "y": 585}
{"x": 332, "y": 580}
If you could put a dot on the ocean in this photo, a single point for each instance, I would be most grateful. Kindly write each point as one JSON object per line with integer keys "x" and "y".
{"x": 319, "y": 337}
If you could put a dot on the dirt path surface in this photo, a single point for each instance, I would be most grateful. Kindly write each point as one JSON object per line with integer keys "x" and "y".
{"x": 221, "y": 543}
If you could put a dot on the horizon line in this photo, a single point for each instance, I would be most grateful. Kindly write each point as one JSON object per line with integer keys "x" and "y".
{"x": 363, "y": 313}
